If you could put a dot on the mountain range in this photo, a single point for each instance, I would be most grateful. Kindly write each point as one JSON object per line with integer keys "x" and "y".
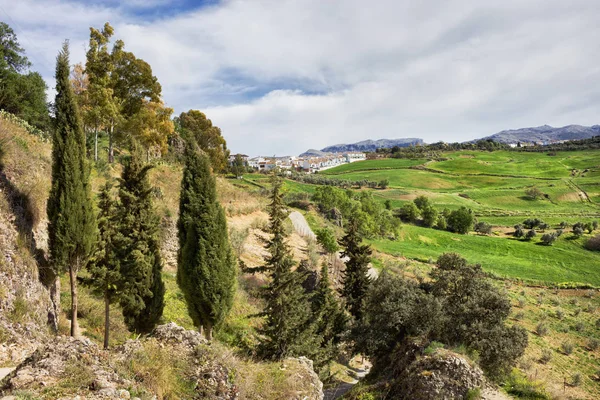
{"x": 544, "y": 133}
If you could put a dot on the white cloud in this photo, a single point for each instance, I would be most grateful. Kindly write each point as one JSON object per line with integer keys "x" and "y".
{"x": 440, "y": 70}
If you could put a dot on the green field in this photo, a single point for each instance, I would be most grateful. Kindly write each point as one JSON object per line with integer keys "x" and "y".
{"x": 565, "y": 261}
{"x": 493, "y": 184}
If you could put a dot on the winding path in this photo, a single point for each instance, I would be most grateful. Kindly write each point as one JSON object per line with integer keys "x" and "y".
{"x": 303, "y": 229}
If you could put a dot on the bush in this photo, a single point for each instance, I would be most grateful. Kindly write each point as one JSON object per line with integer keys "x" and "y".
{"x": 326, "y": 238}
{"x": 567, "y": 347}
{"x": 593, "y": 243}
{"x": 534, "y": 193}
{"x": 530, "y": 234}
{"x": 560, "y": 314}
{"x": 549, "y": 238}
{"x": 483, "y": 228}
{"x": 520, "y": 386}
{"x": 409, "y": 212}
{"x": 576, "y": 379}
{"x": 461, "y": 220}
{"x": 593, "y": 344}
{"x": 579, "y": 326}
{"x": 546, "y": 356}
{"x": 541, "y": 329}
{"x": 237, "y": 238}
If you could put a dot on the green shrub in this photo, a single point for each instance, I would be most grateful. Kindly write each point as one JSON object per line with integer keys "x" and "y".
{"x": 560, "y": 314}
{"x": 579, "y": 326}
{"x": 593, "y": 344}
{"x": 433, "y": 347}
{"x": 541, "y": 329}
{"x": 546, "y": 356}
{"x": 473, "y": 394}
{"x": 520, "y": 386}
{"x": 576, "y": 379}
{"x": 567, "y": 347}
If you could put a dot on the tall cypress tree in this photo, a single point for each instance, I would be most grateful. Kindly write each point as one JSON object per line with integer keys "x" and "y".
{"x": 72, "y": 225}
{"x": 137, "y": 248}
{"x": 289, "y": 329}
{"x": 356, "y": 279}
{"x": 331, "y": 319}
{"x": 206, "y": 268}
{"x": 105, "y": 267}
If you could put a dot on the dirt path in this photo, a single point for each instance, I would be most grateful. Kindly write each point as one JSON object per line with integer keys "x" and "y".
{"x": 304, "y": 230}
{"x": 345, "y": 387}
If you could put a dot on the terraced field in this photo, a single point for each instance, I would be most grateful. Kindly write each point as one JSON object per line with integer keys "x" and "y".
{"x": 493, "y": 184}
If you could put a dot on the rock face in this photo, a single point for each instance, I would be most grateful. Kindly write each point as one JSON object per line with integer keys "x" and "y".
{"x": 25, "y": 305}
{"x": 443, "y": 375}
{"x": 372, "y": 145}
{"x": 304, "y": 372}
{"x": 66, "y": 367}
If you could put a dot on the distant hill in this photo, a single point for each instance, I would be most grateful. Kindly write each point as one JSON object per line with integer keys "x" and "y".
{"x": 313, "y": 153}
{"x": 372, "y": 145}
{"x": 545, "y": 133}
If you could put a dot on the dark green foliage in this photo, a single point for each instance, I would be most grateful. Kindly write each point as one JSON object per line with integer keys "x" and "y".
{"x": 72, "y": 224}
{"x": 22, "y": 92}
{"x": 409, "y": 212}
{"x": 430, "y": 216}
{"x": 422, "y": 202}
{"x": 461, "y": 220}
{"x": 104, "y": 267}
{"x": 331, "y": 320}
{"x": 289, "y": 328}
{"x": 593, "y": 243}
{"x": 326, "y": 238}
{"x": 530, "y": 234}
{"x": 356, "y": 280}
{"x": 206, "y": 266}
{"x": 394, "y": 309}
{"x": 519, "y": 232}
{"x": 549, "y": 238}
{"x": 483, "y": 228}
{"x": 137, "y": 244}
{"x": 474, "y": 314}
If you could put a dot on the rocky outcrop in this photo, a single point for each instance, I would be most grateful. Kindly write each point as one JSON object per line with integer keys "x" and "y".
{"x": 66, "y": 367}
{"x": 442, "y": 375}
{"x": 25, "y": 305}
{"x": 302, "y": 370}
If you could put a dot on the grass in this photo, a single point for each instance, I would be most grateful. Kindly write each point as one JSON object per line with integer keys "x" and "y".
{"x": 563, "y": 262}
{"x": 388, "y": 163}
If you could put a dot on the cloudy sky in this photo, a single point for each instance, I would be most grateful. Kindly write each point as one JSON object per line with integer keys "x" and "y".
{"x": 282, "y": 76}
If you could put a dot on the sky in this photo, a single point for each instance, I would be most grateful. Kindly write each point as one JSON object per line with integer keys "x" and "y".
{"x": 282, "y": 76}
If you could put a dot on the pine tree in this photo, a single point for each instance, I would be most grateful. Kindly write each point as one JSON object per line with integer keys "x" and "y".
{"x": 356, "y": 280}
{"x": 137, "y": 248}
{"x": 289, "y": 328}
{"x": 206, "y": 269}
{"x": 72, "y": 225}
{"x": 331, "y": 319}
{"x": 105, "y": 274}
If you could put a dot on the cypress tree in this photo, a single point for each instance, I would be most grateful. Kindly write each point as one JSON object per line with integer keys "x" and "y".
{"x": 105, "y": 274}
{"x": 356, "y": 280}
{"x": 289, "y": 329}
{"x": 331, "y": 319}
{"x": 206, "y": 267}
{"x": 72, "y": 225}
{"x": 137, "y": 248}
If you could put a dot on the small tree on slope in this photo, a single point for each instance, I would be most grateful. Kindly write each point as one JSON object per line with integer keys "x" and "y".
{"x": 72, "y": 225}
{"x": 206, "y": 267}
{"x": 356, "y": 280}
{"x": 104, "y": 266}
{"x": 289, "y": 328}
{"x": 137, "y": 248}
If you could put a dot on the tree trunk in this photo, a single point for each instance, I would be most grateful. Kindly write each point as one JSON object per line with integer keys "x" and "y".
{"x": 73, "y": 279}
{"x": 208, "y": 332}
{"x": 106, "y": 319}
{"x": 96, "y": 144}
{"x": 111, "y": 157}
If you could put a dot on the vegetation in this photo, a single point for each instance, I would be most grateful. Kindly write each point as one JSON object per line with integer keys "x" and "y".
{"x": 356, "y": 279}
{"x": 23, "y": 92}
{"x": 196, "y": 126}
{"x": 138, "y": 248}
{"x": 72, "y": 225}
{"x": 206, "y": 268}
